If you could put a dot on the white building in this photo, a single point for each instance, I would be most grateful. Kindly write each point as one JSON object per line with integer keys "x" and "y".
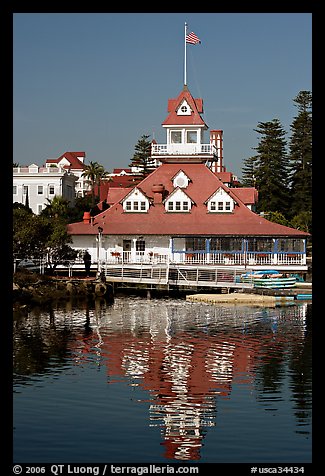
{"x": 34, "y": 185}
{"x": 74, "y": 163}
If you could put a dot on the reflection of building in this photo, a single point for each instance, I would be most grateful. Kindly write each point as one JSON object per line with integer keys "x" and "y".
{"x": 184, "y": 370}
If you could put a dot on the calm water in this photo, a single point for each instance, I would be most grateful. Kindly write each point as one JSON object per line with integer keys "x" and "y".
{"x": 163, "y": 381}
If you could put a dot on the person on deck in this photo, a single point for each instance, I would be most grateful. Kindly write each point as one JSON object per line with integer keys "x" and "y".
{"x": 87, "y": 261}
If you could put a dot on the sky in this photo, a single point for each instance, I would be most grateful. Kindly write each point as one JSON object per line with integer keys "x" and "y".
{"x": 96, "y": 82}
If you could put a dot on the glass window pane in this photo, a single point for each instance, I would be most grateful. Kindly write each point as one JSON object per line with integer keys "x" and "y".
{"x": 191, "y": 137}
{"x": 176, "y": 137}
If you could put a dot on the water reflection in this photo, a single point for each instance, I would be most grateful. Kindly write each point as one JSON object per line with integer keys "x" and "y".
{"x": 186, "y": 356}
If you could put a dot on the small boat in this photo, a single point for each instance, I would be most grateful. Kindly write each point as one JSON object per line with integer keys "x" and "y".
{"x": 270, "y": 279}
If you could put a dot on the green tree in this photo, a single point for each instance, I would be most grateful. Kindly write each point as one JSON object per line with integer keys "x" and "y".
{"x": 29, "y": 233}
{"x": 81, "y": 205}
{"x": 300, "y": 155}
{"x": 56, "y": 207}
{"x": 272, "y": 167}
{"x": 277, "y": 217}
{"x": 302, "y": 221}
{"x": 142, "y": 156}
{"x": 94, "y": 173}
{"x": 37, "y": 236}
{"x": 249, "y": 172}
{"x": 56, "y": 245}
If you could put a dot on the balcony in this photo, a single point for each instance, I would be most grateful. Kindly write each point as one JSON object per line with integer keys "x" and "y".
{"x": 215, "y": 258}
{"x": 183, "y": 149}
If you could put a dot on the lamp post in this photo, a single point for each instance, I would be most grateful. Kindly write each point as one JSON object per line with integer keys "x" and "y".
{"x": 99, "y": 240}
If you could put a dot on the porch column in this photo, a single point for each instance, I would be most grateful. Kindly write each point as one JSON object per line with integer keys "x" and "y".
{"x": 207, "y": 249}
{"x": 171, "y": 249}
{"x": 133, "y": 251}
{"x": 275, "y": 251}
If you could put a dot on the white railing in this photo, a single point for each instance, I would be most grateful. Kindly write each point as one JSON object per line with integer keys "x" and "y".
{"x": 36, "y": 170}
{"x": 223, "y": 258}
{"x": 183, "y": 149}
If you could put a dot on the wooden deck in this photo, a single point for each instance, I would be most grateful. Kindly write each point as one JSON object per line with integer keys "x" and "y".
{"x": 176, "y": 275}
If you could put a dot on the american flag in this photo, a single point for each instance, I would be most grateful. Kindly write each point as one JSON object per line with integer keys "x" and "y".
{"x": 192, "y": 38}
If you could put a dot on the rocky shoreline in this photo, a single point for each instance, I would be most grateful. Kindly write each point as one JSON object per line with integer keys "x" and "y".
{"x": 32, "y": 289}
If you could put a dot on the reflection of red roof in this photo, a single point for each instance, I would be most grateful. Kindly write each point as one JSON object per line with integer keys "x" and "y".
{"x": 241, "y": 222}
{"x": 183, "y": 380}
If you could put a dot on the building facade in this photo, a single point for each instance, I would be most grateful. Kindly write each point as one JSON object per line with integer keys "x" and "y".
{"x": 184, "y": 213}
{"x": 35, "y": 186}
{"x": 74, "y": 162}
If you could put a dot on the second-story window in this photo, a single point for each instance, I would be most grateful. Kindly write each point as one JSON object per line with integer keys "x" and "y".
{"x": 191, "y": 137}
{"x": 40, "y": 190}
{"x": 176, "y": 137}
{"x": 51, "y": 189}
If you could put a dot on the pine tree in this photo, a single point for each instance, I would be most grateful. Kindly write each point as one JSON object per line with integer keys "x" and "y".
{"x": 249, "y": 171}
{"x": 142, "y": 155}
{"x": 300, "y": 155}
{"x": 272, "y": 168}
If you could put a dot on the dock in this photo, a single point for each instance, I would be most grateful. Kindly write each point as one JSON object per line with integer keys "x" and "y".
{"x": 240, "y": 298}
{"x": 257, "y": 297}
{"x": 174, "y": 275}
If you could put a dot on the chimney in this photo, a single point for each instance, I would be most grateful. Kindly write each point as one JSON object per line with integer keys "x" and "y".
{"x": 86, "y": 218}
{"x": 158, "y": 190}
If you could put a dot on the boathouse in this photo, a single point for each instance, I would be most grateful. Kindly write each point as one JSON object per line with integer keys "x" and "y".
{"x": 183, "y": 213}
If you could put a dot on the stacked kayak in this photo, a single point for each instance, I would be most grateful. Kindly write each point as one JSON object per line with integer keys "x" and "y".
{"x": 270, "y": 279}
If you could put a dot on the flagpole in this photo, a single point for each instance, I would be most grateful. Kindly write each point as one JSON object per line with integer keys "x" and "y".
{"x": 185, "y": 54}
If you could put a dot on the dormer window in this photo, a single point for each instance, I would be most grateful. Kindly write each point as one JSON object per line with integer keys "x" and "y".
{"x": 220, "y": 202}
{"x": 184, "y": 109}
{"x": 136, "y": 202}
{"x": 178, "y": 201}
{"x": 181, "y": 180}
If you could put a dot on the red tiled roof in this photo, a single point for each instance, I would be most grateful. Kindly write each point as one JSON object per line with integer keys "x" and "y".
{"x": 72, "y": 157}
{"x": 119, "y": 181}
{"x": 196, "y": 106}
{"x": 198, "y": 221}
{"x": 118, "y": 171}
{"x": 115, "y": 194}
{"x": 248, "y": 195}
{"x": 224, "y": 176}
